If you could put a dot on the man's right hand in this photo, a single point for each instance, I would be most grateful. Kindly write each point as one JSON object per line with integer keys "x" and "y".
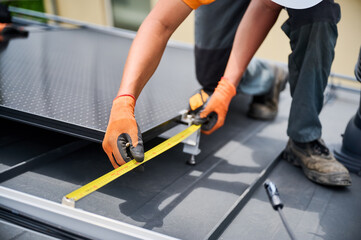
{"x": 215, "y": 110}
{"x": 123, "y": 140}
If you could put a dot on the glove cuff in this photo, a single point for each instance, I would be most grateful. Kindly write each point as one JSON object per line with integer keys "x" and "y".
{"x": 124, "y": 105}
{"x": 226, "y": 88}
{"x": 125, "y": 95}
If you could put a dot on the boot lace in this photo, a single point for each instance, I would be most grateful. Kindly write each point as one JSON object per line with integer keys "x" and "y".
{"x": 319, "y": 148}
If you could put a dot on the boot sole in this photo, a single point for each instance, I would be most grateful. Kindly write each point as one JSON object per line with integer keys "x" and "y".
{"x": 334, "y": 179}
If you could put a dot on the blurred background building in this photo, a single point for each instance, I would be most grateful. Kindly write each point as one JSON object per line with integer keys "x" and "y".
{"x": 129, "y": 14}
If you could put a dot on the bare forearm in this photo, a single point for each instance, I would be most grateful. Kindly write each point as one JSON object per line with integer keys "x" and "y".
{"x": 143, "y": 58}
{"x": 149, "y": 44}
{"x": 253, "y": 29}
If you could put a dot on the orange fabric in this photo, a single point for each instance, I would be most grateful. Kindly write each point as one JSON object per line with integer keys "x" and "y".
{"x": 197, "y": 3}
{"x": 2, "y": 26}
{"x": 219, "y": 103}
{"x": 121, "y": 120}
{"x": 197, "y": 100}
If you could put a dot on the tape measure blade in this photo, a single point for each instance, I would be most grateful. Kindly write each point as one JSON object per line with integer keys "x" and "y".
{"x": 102, "y": 181}
{"x": 114, "y": 174}
{"x": 176, "y": 139}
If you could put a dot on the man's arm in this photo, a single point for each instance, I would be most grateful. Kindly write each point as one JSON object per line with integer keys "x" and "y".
{"x": 123, "y": 140}
{"x": 253, "y": 29}
{"x": 149, "y": 44}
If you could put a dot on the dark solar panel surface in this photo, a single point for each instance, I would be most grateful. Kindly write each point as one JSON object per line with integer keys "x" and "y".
{"x": 66, "y": 80}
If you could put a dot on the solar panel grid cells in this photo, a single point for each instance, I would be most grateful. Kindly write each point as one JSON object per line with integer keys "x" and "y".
{"x": 72, "y": 76}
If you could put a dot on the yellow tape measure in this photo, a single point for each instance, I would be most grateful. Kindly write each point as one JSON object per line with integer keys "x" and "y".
{"x": 74, "y": 196}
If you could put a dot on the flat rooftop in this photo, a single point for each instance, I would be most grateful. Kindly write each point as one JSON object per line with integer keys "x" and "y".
{"x": 167, "y": 196}
{"x": 187, "y": 202}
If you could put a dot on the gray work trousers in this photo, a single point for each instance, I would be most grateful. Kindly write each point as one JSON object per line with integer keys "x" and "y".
{"x": 215, "y": 26}
{"x": 312, "y": 33}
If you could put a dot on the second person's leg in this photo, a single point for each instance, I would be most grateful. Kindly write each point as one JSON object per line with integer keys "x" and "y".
{"x": 215, "y": 27}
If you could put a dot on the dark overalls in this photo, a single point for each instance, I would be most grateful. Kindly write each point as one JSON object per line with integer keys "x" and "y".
{"x": 312, "y": 33}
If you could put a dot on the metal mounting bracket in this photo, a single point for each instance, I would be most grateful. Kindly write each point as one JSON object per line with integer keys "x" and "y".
{"x": 191, "y": 144}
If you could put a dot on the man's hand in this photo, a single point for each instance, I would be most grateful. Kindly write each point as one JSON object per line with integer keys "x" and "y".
{"x": 215, "y": 111}
{"x": 123, "y": 140}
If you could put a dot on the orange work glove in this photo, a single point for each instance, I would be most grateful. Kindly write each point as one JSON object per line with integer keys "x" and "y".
{"x": 123, "y": 140}
{"x": 215, "y": 111}
{"x": 2, "y": 26}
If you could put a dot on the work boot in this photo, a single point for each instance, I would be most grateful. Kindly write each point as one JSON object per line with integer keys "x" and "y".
{"x": 317, "y": 162}
{"x": 265, "y": 107}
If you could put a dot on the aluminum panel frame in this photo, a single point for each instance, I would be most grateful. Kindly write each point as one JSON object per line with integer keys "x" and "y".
{"x": 73, "y": 220}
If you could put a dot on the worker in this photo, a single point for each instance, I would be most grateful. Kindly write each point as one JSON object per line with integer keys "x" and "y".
{"x": 215, "y": 24}
{"x": 5, "y": 16}
{"x": 215, "y": 28}
{"x": 312, "y": 33}
{"x": 9, "y": 31}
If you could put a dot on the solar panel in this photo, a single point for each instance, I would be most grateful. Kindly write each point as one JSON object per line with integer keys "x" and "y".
{"x": 65, "y": 80}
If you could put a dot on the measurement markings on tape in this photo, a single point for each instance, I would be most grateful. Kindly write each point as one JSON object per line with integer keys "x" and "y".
{"x": 76, "y": 195}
